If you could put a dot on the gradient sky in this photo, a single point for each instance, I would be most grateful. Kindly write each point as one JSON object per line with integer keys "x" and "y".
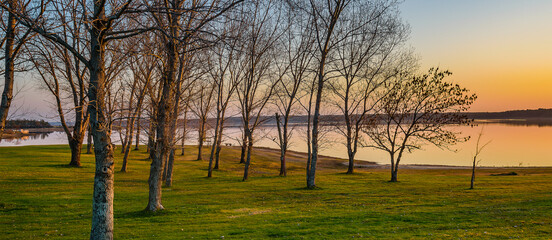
{"x": 500, "y": 49}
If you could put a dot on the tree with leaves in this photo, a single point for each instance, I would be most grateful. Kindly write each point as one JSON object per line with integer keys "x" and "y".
{"x": 418, "y": 109}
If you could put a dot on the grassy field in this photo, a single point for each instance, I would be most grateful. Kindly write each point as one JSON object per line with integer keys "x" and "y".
{"x": 41, "y": 198}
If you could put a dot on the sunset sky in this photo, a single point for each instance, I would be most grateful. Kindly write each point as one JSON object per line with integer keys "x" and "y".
{"x": 501, "y": 49}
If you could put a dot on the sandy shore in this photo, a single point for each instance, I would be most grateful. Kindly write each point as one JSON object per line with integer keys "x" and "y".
{"x": 327, "y": 161}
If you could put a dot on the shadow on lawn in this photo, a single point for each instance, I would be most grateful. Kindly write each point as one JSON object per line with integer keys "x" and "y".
{"x": 143, "y": 214}
{"x": 62, "y": 166}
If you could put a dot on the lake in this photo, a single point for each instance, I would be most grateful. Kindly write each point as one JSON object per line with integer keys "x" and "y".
{"x": 511, "y": 145}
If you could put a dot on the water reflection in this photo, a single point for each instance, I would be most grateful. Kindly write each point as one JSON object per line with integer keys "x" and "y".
{"x": 45, "y": 138}
{"x": 512, "y": 144}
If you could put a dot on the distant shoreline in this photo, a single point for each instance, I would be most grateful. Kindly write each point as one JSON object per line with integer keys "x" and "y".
{"x": 335, "y": 161}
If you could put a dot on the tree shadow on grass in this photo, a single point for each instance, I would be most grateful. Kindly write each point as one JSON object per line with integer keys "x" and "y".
{"x": 144, "y": 214}
{"x": 62, "y": 166}
{"x": 308, "y": 189}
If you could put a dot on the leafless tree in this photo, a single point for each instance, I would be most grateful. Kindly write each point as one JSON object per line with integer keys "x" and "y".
{"x": 202, "y": 108}
{"x": 142, "y": 65}
{"x": 101, "y": 19}
{"x": 325, "y": 17}
{"x": 12, "y": 39}
{"x": 187, "y": 96}
{"x": 187, "y": 77}
{"x": 476, "y": 160}
{"x": 363, "y": 55}
{"x": 181, "y": 27}
{"x": 298, "y": 42}
{"x": 417, "y": 110}
{"x": 226, "y": 72}
{"x": 65, "y": 78}
{"x": 256, "y": 88}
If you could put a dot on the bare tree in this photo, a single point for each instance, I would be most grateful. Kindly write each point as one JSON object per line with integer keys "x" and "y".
{"x": 186, "y": 99}
{"x": 325, "y": 16}
{"x": 65, "y": 78}
{"x": 186, "y": 78}
{"x": 143, "y": 71}
{"x": 181, "y": 27}
{"x": 298, "y": 42}
{"x": 12, "y": 41}
{"x": 365, "y": 51}
{"x": 167, "y": 17}
{"x": 226, "y": 72}
{"x": 418, "y": 109}
{"x": 100, "y": 25}
{"x": 478, "y": 149}
{"x": 256, "y": 88}
{"x": 201, "y": 108}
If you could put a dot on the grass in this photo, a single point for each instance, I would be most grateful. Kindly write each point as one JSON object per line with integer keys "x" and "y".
{"x": 41, "y": 198}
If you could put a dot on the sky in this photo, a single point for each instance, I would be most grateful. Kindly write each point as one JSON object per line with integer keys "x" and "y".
{"x": 499, "y": 49}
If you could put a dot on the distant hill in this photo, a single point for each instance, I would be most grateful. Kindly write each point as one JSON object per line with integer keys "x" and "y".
{"x": 540, "y": 113}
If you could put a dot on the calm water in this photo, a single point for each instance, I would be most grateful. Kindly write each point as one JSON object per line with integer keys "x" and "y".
{"x": 512, "y": 145}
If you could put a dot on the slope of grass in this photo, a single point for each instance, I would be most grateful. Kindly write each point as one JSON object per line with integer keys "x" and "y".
{"x": 41, "y": 198}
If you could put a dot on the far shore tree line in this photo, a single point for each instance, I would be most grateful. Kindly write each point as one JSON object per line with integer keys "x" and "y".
{"x": 26, "y": 123}
{"x": 112, "y": 65}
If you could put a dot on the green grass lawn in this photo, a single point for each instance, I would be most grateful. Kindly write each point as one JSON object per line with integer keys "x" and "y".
{"x": 41, "y": 198}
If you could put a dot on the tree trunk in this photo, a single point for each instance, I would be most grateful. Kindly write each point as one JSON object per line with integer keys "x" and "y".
{"x": 248, "y": 159}
{"x": 219, "y": 142}
{"x": 282, "y": 136}
{"x": 473, "y": 173}
{"x": 102, "y": 206}
{"x": 89, "y": 141}
{"x": 138, "y": 125}
{"x": 151, "y": 136}
{"x": 184, "y": 129}
{"x": 165, "y": 168}
{"x": 155, "y": 177}
{"x": 243, "y": 147}
{"x": 182, "y": 143}
{"x": 217, "y": 152}
{"x": 351, "y": 154}
{"x": 126, "y": 150}
{"x": 75, "y": 146}
{"x": 159, "y": 152}
{"x": 163, "y": 142}
{"x": 201, "y": 139}
{"x": 170, "y": 166}
{"x": 214, "y": 147}
{"x": 394, "y": 166}
{"x": 314, "y": 141}
{"x": 9, "y": 57}
{"x": 283, "y": 171}
{"x": 394, "y": 176}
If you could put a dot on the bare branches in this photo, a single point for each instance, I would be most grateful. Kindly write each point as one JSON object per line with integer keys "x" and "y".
{"x": 478, "y": 148}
